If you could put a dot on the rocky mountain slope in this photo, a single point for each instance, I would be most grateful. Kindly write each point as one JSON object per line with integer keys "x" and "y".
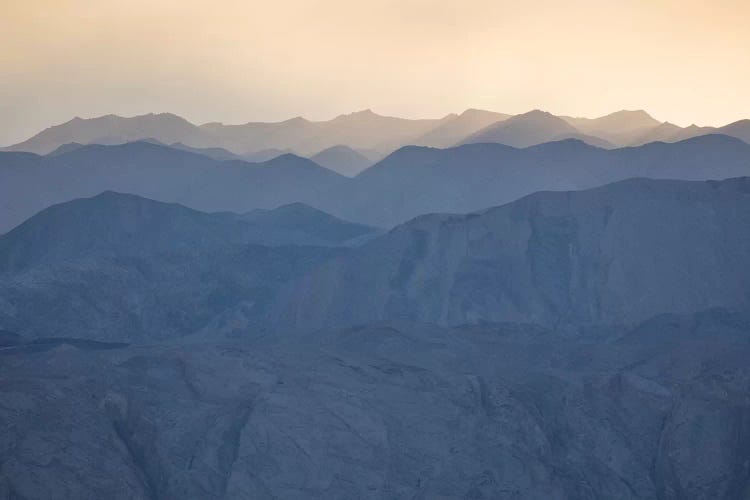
{"x": 616, "y": 254}
{"x": 584, "y": 345}
{"x": 120, "y": 267}
{"x": 658, "y": 411}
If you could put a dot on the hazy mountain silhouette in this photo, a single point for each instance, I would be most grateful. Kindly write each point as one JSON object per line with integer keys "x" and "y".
{"x": 669, "y": 132}
{"x": 160, "y": 173}
{"x": 66, "y": 148}
{"x": 528, "y": 129}
{"x": 265, "y": 155}
{"x": 619, "y": 128}
{"x": 587, "y": 139}
{"x": 410, "y": 182}
{"x": 366, "y": 132}
{"x": 739, "y": 129}
{"x": 304, "y": 225}
{"x": 111, "y": 129}
{"x": 342, "y": 159}
{"x": 453, "y": 130}
{"x": 103, "y": 256}
{"x": 414, "y": 181}
{"x": 616, "y": 254}
{"x": 360, "y": 130}
{"x": 219, "y": 154}
{"x": 115, "y": 224}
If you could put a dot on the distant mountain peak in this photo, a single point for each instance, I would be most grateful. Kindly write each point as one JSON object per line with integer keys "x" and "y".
{"x": 337, "y": 147}
{"x": 342, "y": 159}
{"x": 538, "y": 116}
{"x": 477, "y": 111}
{"x": 110, "y": 195}
{"x": 739, "y": 123}
{"x": 284, "y": 157}
{"x": 296, "y": 120}
{"x": 66, "y": 148}
{"x": 358, "y": 115}
{"x": 527, "y": 129}
{"x": 567, "y": 144}
{"x": 633, "y": 113}
{"x": 535, "y": 113}
{"x": 715, "y": 139}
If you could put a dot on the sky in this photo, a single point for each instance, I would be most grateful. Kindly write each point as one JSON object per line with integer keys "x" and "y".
{"x": 685, "y": 61}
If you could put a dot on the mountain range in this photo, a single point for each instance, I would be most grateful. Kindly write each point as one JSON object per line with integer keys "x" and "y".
{"x": 618, "y": 254}
{"x": 343, "y": 160}
{"x": 360, "y": 130}
{"x": 366, "y": 131}
{"x": 480, "y": 306}
{"x": 409, "y": 182}
{"x": 586, "y": 344}
{"x": 528, "y": 129}
{"x": 417, "y": 180}
{"x": 124, "y": 267}
{"x": 30, "y": 183}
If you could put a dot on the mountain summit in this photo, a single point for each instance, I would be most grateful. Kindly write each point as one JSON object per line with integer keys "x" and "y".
{"x": 524, "y": 130}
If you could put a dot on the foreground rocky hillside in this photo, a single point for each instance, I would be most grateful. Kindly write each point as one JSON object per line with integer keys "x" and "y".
{"x": 659, "y": 411}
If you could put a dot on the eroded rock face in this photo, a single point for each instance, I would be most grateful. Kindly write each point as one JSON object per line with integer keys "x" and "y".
{"x": 397, "y": 410}
{"x": 704, "y": 450}
{"x": 617, "y": 254}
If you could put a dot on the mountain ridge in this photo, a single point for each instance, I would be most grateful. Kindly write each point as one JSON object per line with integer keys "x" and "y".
{"x": 363, "y": 130}
{"x": 416, "y": 180}
{"x": 570, "y": 256}
{"x": 161, "y": 173}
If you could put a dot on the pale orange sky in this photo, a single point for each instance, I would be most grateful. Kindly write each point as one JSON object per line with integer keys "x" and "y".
{"x": 235, "y": 61}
